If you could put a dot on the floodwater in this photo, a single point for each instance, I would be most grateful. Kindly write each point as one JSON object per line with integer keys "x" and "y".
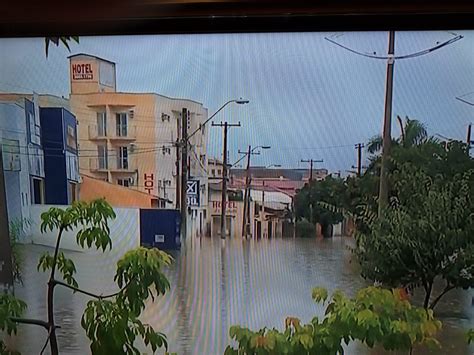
{"x": 216, "y": 285}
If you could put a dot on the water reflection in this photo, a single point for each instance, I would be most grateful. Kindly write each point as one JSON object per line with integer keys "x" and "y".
{"x": 215, "y": 285}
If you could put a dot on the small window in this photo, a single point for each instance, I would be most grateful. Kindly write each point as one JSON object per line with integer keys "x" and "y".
{"x": 213, "y": 172}
{"x": 71, "y": 137}
{"x": 73, "y": 189}
{"x": 101, "y": 124}
{"x": 124, "y": 182}
{"x": 122, "y": 158}
{"x": 102, "y": 157}
{"x": 121, "y": 121}
{"x": 38, "y": 191}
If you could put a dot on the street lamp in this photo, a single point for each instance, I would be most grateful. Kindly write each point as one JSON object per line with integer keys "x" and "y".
{"x": 237, "y": 101}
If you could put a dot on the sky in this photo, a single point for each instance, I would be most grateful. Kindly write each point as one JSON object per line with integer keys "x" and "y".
{"x": 309, "y": 99}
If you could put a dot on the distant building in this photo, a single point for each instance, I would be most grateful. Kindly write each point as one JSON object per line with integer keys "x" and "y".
{"x": 59, "y": 141}
{"x": 129, "y": 139}
{"x": 39, "y": 155}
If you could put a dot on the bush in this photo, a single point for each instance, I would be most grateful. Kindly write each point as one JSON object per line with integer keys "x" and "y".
{"x": 305, "y": 229}
{"x": 375, "y": 316}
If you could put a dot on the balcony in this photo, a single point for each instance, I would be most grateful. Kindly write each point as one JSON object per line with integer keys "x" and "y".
{"x": 113, "y": 165}
{"x": 118, "y": 134}
{"x": 123, "y": 133}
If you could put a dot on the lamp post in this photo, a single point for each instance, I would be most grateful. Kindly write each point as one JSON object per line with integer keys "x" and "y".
{"x": 262, "y": 212}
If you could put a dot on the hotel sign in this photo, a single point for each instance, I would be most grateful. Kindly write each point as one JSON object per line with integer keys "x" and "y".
{"x": 231, "y": 207}
{"x": 82, "y": 71}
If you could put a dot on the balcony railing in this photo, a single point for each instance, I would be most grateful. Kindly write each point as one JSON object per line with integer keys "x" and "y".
{"x": 117, "y": 132}
{"x": 112, "y": 164}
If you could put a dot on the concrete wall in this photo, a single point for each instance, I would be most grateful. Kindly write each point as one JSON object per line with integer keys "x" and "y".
{"x": 13, "y": 127}
{"x": 124, "y": 231}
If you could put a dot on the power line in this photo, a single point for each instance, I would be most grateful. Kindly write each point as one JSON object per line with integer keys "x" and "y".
{"x": 406, "y": 56}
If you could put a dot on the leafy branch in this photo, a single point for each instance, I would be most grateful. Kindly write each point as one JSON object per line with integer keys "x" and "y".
{"x": 111, "y": 321}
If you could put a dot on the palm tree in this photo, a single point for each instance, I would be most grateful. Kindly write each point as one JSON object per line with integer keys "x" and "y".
{"x": 412, "y": 133}
{"x": 65, "y": 40}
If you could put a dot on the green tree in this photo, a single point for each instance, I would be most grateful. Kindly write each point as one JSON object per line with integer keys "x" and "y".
{"x": 111, "y": 321}
{"x": 330, "y": 190}
{"x": 374, "y": 316}
{"x": 412, "y": 132}
{"x": 64, "y": 40}
{"x": 427, "y": 233}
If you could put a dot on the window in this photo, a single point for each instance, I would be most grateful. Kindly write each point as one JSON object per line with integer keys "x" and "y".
{"x": 102, "y": 157}
{"x": 219, "y": 172}
{"x": 11, "y": 155}
{"x": 72, "y": 189}
{"x": 122, "y": 158}
{"x": 121, "y": 124}
{"x": 213, "y": 172}
{"x": 38, "y": 191}
{"x": 101, "y": 124}
{"x": 71, "y": 137}
{"x": 165, "y": 117}
{"x": 124, "y": 182}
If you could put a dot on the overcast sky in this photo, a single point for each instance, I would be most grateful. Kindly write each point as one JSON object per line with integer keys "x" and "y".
{"x": 308, "y": 97}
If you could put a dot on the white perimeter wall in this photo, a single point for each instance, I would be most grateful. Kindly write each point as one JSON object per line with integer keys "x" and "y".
{"x": 124, "y": 231}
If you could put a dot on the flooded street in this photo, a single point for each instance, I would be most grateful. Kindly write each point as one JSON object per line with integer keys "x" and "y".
{"x": 214, "y": 286}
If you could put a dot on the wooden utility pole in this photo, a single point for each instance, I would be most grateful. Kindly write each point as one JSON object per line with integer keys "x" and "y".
{"x": 468, "y": 140}
{"x": 311, "y": 161}
{"x": 387, "y": 136}
{"x": 359, "y": 147}
{"x": 246, "y": 197}
{"x": 6, "y": 271}
{"x": 184, "y": 172}
{"x": 226, "y": 126}
{"x": 248, "y": 178}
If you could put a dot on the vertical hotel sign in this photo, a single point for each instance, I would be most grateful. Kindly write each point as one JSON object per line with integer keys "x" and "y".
{"x": 82, "y": 71}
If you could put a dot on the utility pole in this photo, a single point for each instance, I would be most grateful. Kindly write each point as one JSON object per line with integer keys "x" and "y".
{"x": 246, "y": 214}
{"x": 359, "y": 147}
{"x": 383, "y": 188}
{"x": 468, "y": 140}
{"x": 6, "y": 272}
{"x": 262, "y": 213}
{"x": 226, "y": 126}
{"x": 246, "y": 197}
{"x": 311, "y": 161}
{"x": 387, "y": 136}
{"x": 184, "y": 172}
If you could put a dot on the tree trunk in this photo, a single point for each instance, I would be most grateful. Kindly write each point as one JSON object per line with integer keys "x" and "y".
{"x": 428, "y": 289}
{"x": 52, "y": 328}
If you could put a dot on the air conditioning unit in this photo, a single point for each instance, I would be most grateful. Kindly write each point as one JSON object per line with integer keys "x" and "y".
{"x": 165, "y": 117}
{"x": 131, "y": 114}
{"x": 133, "y": 146}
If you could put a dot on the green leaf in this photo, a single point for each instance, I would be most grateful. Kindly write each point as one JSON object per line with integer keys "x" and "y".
{"x": 320, "y": 294}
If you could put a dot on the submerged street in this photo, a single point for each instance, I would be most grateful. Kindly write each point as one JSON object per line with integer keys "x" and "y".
{"x": 214, "y": 286}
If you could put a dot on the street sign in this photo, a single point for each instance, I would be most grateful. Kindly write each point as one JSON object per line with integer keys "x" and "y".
{"x": 192, "y": 193}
